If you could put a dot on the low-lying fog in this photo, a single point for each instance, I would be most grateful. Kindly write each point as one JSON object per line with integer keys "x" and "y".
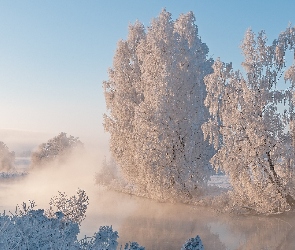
{"x": 152, "y": 224}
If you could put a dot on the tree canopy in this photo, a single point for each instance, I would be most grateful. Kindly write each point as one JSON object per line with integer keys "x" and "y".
{"x": 55, "y": 149}
{"x": 251, "y": 123}
{"x": 155, "y": 96}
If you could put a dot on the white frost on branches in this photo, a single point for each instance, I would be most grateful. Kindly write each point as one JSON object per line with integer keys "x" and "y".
{"x": 34, "y": 230}
{"x": 255, "y": 140}
{"x": 193, "y": 244}
{"x": 55, "y": 149}
{"x": 73, "y": 208}
{"x": 155, "y": 96}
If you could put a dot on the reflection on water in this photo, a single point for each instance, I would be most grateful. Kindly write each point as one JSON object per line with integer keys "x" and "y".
{"x": 167, "y": 226}
{"x": 152, "y": 224}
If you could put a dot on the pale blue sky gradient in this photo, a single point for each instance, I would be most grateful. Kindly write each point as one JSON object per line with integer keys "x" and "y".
{"x": 54, "y": 55}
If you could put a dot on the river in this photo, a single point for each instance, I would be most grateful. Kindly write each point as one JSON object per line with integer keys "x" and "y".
{"x": 155, "y": 225}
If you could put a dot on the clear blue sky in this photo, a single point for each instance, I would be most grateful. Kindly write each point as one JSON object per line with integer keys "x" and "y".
{"x": 54, "y": 55}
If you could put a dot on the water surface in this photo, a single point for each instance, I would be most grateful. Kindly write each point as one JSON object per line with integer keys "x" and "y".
{"x": 155, "y": 225}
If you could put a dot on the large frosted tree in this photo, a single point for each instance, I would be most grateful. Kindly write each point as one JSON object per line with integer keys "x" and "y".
{"x": 155, "y": 96}
{"x": 252, "y": 122}
{"x": 122, "y": 93}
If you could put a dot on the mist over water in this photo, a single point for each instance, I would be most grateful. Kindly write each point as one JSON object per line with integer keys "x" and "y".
{"x": 152, "y": 224}
{"x": 167, "y": 226}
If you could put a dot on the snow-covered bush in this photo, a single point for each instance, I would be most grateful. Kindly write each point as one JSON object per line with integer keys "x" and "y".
{"x": 193, "y": 244}
{"x": 104, "y": 239}
{"x": 73, "y": 208}
{"x": 6, "y": 158}
{"x": 133, "y": 246}
{"x": 34, "y": 230}
{"x": 55, "y": 149}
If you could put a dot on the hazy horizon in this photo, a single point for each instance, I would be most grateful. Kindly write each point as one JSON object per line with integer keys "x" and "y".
{"x": 23, "y": 140}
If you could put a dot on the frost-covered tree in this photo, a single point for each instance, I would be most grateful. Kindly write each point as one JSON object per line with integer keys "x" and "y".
{"x": 55, "y": 149}
{"x": 122, "y": 94}
{"x": 155, "y": 95}
{"x": 6, "y": 158}
{"x": 252, "y": 123}
{"x": 73, "y": 208}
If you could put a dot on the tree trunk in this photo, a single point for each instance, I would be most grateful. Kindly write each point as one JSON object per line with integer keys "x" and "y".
{"x": 276, "y": 181}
